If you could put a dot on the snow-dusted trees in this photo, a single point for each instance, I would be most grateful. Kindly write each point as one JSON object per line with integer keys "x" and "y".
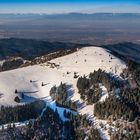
{"x": 60, "y": 95}
{"x": 124, "y": 105}
{"x": 53, "y": 92}
{"x": 89, "y": 88}
{"x": 21, "y": 113}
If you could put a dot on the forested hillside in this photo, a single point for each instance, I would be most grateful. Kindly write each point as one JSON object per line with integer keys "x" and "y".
{"x": 30, "y": 48}
{"x": 126, "y": 50}
{"x": 122, "y": 102}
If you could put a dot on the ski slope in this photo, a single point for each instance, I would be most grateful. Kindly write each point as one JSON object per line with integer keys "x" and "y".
{"x": 82, "y": 62}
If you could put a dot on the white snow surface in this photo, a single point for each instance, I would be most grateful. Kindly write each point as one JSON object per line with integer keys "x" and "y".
{"x": 82, "y": 62}
{"x": 104, "y": 93}
{"x": 1, "y": 62}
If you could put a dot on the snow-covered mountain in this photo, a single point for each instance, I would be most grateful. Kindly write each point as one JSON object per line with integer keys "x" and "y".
{"x": 82, "y": 62}
{"x": 58, "y": 70}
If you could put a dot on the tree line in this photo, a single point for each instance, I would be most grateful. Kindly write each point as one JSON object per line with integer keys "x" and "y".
{"x": 21, "y": 113}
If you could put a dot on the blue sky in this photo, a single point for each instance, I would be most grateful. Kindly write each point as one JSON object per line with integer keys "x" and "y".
{"x": 67, "y": 6}
{"x": 64, "y": 1}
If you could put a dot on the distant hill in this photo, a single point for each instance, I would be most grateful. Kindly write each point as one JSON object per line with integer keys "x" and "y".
{"x": 29, "y": 48}
{"x": 126, "y": 50}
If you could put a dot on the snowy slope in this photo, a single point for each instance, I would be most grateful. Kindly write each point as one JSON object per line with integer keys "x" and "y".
{"x": 82, "y": 62}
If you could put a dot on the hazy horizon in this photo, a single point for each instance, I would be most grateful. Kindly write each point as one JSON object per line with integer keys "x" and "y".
{"x": 69, "y": 6}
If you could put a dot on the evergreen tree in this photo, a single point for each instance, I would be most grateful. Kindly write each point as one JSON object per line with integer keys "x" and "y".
{"x": 17, "y": 99}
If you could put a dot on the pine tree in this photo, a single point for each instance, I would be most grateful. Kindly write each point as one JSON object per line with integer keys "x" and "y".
{"x": 131, "y": 116}
{"x": 16, "y": 91}
{"x": 17, "y": 99}
{"x": 42, "y": 84}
